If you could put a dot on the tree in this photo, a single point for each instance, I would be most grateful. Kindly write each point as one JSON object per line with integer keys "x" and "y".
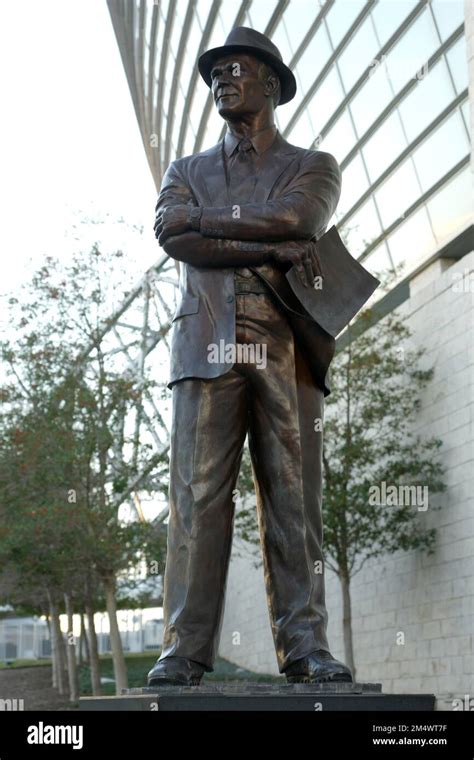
{"x": 370, "y": 449}
{"x": 69, "y": 457}
{"x": 377, "y": 386}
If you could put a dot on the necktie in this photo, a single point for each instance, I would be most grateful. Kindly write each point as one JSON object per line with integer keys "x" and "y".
{"x": 242, "y": 173}
{"x": 242, "y": 180}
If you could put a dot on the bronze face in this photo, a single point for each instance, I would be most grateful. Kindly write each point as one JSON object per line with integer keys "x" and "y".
{"x": 238, "y": 86}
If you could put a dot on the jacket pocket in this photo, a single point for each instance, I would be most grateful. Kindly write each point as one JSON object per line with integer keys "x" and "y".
{"x": 189, "y": 304}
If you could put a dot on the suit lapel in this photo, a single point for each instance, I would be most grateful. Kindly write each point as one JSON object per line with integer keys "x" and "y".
{"x": 209, "y": 177}
{"x": 209, "y": 180}
{"x": 281, "y": 156}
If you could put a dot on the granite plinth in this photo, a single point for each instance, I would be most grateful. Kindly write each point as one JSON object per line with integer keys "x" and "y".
{"x": 261, "y": 697}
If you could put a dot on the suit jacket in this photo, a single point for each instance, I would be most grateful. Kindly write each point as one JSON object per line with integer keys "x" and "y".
{"x": 295, "y": 197}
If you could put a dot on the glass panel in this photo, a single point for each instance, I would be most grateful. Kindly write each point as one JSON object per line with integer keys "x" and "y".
{"x": 332, "y": 222}
{"x": 387, "y": 143}
{"x": 313, "y": 59}
{"x": 325, "y": 100}
{"x": 362, "y": 228}
{"x": 247, "y": 21}
{"x": 441, "y": 151}
{"x": 260, "y": 12}
{"x": 161, "y": 140}
{"x": 340, "y": 18}
{"x": 466, "y": 114}
{"x": 357, "y": 56}
{"x": 136, "y": 19}
{"x": 282, "y": 40}
{"x": 284, "y": 113}
{"x": 298, "y": 19}
{"x": 378, "y": 262}
{"x": 203, "y": 9}
{"x": 189, "y": 142}
{"x": 191, "y": 52}
{"x": 200, "y": 98}
{"x": 195, "y": 114}
{"x": 158, "y": 47}
{"x": 174, "y": 149}
{"x": 166, "y": 85}
{"x": 302, "y": 133}
{"x": 451, "y": 208}
{"x": 177, "y": 29}
{"x": 388, "y": 15}
{"x": 371, "y": 100}
{"x": 178, "y": 111}
{"x": 449, "y": 15}
{"x": 412, "y": 51}
{"x": 163, "y": 8}
{"x": 397, "y": 193}
{"x": 175, "y": 137}
{"x": 148, "y": 19}
{"x": 213, "y": 130}
{"x": 411, "y": 242}
{"x": 430, "y": 96}
{"x": 341, "y": 138}
{"x": 457, "y": 61}
{"x": 354, "y": 183}
{"x": 220, "y": 30}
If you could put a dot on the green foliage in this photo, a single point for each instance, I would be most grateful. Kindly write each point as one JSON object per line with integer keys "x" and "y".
{"x": 67, "y": 453}
{"x": 377, "y": 383}
{"x": 246, "y": 523}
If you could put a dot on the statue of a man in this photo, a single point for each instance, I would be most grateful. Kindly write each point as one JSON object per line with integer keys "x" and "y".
{"x": 238, "y": 217}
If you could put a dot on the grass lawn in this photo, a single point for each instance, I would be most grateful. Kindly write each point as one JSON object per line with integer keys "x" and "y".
{"x": 24, "y": 663}
{"x": 31, "y": 679}
{"x": 139, "y": 663}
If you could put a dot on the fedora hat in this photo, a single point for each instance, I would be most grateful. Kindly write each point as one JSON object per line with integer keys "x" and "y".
{"x": 242, "y": 39}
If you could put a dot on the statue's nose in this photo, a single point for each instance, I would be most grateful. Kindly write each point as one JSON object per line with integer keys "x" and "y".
{"x": 225, "y": 79}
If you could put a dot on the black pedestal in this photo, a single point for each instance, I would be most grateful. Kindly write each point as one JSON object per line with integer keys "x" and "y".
{"x": 253, "y": 697}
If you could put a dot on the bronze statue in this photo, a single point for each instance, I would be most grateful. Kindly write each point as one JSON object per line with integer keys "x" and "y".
{"x": 244, "y": 219}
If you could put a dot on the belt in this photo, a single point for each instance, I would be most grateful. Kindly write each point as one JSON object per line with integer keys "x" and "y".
{"x": 253, "y": 286}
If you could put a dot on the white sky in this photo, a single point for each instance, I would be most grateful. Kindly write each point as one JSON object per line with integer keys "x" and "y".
{"x": 70, "y": 145}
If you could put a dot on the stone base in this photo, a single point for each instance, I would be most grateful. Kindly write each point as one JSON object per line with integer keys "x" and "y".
{"x": 251, "y": 697}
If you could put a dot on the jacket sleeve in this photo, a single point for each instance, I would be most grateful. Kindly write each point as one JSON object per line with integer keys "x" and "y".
{"x": 197, "y": 250}
{"x": 174, "y": 191}
{"x": 301, "y": 212}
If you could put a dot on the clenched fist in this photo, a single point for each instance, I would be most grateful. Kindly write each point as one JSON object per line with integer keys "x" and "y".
{"x": 301, "y": 253}
{"x": 173, "y": 220}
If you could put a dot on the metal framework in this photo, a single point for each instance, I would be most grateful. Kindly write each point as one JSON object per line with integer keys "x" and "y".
{"x": 134, "y": 344}
{"x": 154, "y": 59}
{"x": 159, "y": 42}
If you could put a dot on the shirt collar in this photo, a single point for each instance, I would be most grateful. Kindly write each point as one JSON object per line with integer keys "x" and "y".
{"x": 260, "y": 140}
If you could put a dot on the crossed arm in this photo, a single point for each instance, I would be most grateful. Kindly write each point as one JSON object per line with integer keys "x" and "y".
{"x": 280, "y": 229}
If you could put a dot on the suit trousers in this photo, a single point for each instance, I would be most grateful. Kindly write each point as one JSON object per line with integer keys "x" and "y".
{"x": 276, "y": 403}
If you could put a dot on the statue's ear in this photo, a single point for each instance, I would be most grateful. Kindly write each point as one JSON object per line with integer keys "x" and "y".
{"x": 271, "y": 85}
{"x": 272, "y": 88}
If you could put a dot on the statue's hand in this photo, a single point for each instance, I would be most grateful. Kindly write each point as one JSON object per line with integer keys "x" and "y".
{"x": 172, "y": 220}
{"x": 301, "y": 253}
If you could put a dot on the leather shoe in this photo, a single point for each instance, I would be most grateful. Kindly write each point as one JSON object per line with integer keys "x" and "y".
{"x": 178, "y": 671}
{"x": 318, "y": 667}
